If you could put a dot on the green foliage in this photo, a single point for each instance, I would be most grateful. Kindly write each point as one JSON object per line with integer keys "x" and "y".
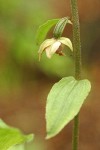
{"x": 10, "y": 136}
{"x": 19, "y": 21}
{"x": 43, "y": 30}
{"x": 64, "y": 102}
{"x": 17, "y": 147}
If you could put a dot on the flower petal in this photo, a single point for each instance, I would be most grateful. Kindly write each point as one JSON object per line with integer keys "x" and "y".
{"x": 48, "y": 54}
{"x": 67, "y": 42}
{"x": 44, "y": 45}
{"x": 54, "y": 47}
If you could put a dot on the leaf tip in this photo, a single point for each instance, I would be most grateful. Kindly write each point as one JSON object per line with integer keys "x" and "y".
{"x": 30, "y": 137}
{"x": 48, "y": 136}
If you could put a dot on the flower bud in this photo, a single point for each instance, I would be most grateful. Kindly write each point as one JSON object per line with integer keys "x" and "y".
{"x": 58, "y": 30}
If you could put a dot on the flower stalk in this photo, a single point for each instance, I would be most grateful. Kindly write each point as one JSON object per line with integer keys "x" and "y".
{"x": 77, "y": 57}
{"x": 76, "y": 39}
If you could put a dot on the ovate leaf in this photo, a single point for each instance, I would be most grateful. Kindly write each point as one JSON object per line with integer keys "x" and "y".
{"x": 10, "y": 136}
{"x": 64, "y": 102}
{"x": 43, "y": 30}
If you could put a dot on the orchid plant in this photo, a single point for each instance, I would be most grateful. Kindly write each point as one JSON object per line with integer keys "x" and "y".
{"x": 67, "y": 96}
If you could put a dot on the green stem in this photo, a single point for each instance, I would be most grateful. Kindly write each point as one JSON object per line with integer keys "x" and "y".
{"x": 75, "y": 140}
{"x": 77, "y": 56}
{"x": 76, "y": 39}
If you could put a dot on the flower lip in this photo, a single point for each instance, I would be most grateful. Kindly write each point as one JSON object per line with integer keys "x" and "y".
{"x": 52, "y": 49}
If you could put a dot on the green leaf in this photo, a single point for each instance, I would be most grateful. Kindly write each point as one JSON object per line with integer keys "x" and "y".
{"x": 64, "y": 102}
{"x": 10, "y": 136}
{"x": 43, "y": 30}
{"x": 17, "y": 147}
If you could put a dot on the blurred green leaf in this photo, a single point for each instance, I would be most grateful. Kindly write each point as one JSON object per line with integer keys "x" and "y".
{"x": 19, "y": 21}
{"x": 10, "y": 136}
{"x": 43, "y": 30}
{"x": 17, "y": 147}
{"x": 64, "y": 102}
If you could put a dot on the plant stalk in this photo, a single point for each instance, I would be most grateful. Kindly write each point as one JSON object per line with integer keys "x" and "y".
{"x": 77, "y": 57}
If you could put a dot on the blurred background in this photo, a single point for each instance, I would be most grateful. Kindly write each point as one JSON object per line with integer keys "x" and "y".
{"x": 25, "y": 82}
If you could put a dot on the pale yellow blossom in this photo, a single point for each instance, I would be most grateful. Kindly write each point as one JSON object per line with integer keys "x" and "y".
{"x": 52, "y": 46}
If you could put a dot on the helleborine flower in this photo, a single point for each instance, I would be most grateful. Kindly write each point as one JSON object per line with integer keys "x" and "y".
{"x": 53, "y": 45}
